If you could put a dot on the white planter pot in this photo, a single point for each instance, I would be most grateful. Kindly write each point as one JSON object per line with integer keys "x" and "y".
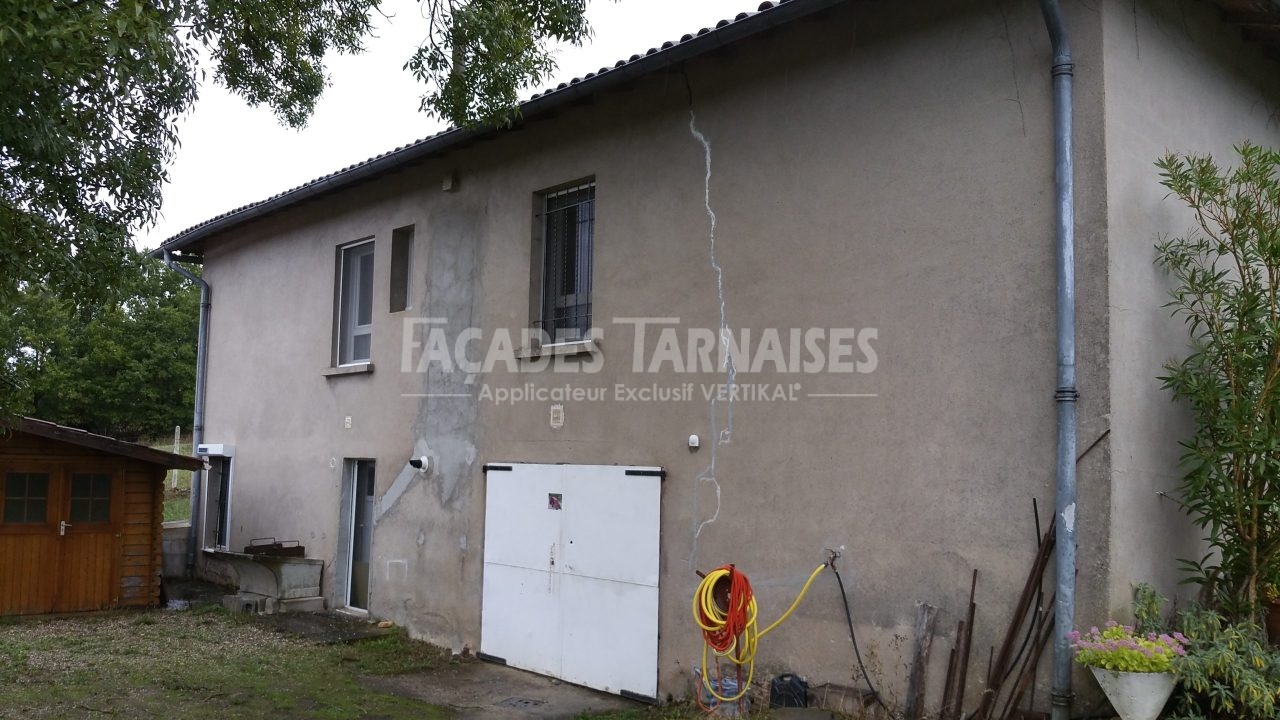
{"x": 1136, "y": 696}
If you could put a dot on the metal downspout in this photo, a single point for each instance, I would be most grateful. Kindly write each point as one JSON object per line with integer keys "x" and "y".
{"x": 197, "y": 425}
{"x": 1066, "y": 393}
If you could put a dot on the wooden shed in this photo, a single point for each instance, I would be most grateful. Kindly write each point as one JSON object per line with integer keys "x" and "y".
{"x": 80, "y": 519}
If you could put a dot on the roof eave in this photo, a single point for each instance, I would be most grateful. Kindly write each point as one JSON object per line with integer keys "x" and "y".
{"x": 669, "y": 55}
{"x": 102, "y": 443}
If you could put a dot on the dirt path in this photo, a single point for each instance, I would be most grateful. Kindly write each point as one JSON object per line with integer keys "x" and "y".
{"x": 481, "y": 690}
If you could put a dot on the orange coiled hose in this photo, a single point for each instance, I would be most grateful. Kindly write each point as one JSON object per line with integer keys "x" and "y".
{"x": 730, "y": 629}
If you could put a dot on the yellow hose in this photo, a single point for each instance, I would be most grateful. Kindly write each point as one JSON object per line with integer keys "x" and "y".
{"x": 741, "y": 650}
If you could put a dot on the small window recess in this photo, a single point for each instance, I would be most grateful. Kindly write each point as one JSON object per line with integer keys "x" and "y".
{"x": 401, "y": 276}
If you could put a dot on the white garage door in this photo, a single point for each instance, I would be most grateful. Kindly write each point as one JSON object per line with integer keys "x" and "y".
{"x": 571, "y": 573}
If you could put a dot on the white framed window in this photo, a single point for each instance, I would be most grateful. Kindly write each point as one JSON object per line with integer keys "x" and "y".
{"x": 355, "y": 303}
{"x": 567, "y": 225}
{"x": 359, "y": 498}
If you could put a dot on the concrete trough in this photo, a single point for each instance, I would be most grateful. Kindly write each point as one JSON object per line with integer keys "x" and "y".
{"x": 268, "y": 584}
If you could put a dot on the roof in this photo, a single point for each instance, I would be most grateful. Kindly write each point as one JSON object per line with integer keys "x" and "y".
{"x": 1259, "y": 19}
{"x": 62, "y": 433}
{"x": 671, "y": 53}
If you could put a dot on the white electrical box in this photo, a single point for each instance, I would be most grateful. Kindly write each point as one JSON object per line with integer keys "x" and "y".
{"x": 215, "y": 450}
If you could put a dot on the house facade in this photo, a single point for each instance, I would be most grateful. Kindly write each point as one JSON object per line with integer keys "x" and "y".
{"x": 817, "y": 244}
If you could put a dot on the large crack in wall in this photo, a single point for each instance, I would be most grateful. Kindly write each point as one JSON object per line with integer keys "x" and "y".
{"x": 719, "y": 436}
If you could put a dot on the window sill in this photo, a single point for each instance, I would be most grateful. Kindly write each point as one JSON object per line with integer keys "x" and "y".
{"x": 360, "y": 369}
{"x": 577, "y": 347}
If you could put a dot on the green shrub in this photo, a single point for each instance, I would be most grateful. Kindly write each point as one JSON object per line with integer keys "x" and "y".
{"x": 1226, "y": 273}
{"x": 1228, "y": 673}
{"x": 1148, "y": 610}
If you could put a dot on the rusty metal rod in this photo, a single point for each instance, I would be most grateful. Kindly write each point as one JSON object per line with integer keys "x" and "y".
{"x": 1006, "y": 659}
{"x": 963, "y": 671}
{"x": 1033, "y": 664}
{"x": 947, "y": 686}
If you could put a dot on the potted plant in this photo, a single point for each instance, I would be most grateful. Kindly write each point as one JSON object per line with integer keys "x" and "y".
{"x": 1135, "y": 671}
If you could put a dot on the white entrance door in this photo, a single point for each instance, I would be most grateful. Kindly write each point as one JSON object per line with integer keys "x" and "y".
{"x": 571, "y": 573}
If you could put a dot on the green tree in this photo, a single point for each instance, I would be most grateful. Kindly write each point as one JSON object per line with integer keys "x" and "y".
{"x": 91, "y": 91}
{"x": 124, "y": 368}
{"x": 1227, "y": 290}
{"x": 479, "y": 54}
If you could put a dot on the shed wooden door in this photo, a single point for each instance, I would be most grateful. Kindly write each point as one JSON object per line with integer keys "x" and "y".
{"x": 59, "y": 538}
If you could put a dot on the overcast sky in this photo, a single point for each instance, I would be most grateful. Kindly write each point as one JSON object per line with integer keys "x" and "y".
{"x": 232, "y": 154}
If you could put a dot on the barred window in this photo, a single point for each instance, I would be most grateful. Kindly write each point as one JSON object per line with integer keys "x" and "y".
{"x": 568, "y": 224}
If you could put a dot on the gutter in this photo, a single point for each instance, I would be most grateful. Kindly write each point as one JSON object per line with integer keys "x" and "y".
{"x": 671, "y": 54}
{"x": 1066, "y": 394}
{"x": 197, "y": 426}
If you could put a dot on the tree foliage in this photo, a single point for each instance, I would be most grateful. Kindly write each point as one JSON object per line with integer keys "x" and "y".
{"x": 91, "y": 92}
{"x": 1229, "y": 671}
{"x": 272, "y": 52}
{"x": 125, "y": 368}
{"x": 1227, "y": 290}
{"x": 480, "y": 53}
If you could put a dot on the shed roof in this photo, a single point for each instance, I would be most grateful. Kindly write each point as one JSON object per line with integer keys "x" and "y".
{"x": 103, "y": 443}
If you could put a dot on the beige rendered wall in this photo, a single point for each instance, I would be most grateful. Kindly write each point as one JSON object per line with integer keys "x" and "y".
{"x": 1177, "y": 79}
{"x": 887, "y": 166}
{"x": 270, "y": 338}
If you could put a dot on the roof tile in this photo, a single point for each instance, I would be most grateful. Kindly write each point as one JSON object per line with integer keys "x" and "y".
{"x": 764, "y": 6}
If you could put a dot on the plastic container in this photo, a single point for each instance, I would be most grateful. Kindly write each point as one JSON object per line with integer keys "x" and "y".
{"x": 725, "y": 687}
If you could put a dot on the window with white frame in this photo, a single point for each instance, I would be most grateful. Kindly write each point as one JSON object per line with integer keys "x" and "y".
{"x": 355, "y": 303}
{"x": 568, "y": 235}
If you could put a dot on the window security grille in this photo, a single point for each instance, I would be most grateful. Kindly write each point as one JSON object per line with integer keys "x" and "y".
{"x": 569, "y": 233}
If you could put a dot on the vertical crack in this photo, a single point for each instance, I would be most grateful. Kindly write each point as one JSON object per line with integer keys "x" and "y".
{"x": 1013, "y": 68}
{"x": 1137, "y": 47}
{"x": 720, "y": 436}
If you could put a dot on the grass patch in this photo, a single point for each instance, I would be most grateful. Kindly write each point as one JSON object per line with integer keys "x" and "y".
{"x": 197, "y": 665}
{"x": 176, "y": 508}
{"x": 177, "y": 500}
{"x": 392, "y": 654}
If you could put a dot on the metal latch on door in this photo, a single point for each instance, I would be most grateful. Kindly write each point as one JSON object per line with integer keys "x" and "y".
{"x": 62, "y": 527}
